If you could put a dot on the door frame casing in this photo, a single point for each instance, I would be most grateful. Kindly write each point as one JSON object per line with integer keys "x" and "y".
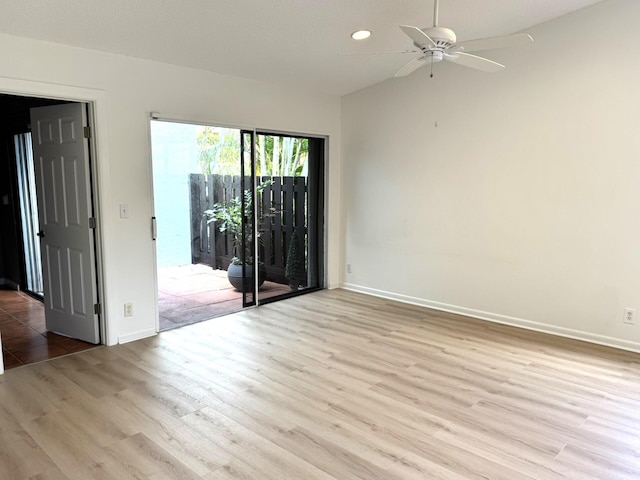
{"x": 97, "y": 108}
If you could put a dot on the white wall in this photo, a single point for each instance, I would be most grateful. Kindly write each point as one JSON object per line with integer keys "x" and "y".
{"x": 512, "y": 196}
{"x": 126, "y": 90}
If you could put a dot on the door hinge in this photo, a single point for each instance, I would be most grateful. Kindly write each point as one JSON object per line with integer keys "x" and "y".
{"x": 87, "y": 132}
{"x": 96, "y": 308}
{"x": 92, "y": 222}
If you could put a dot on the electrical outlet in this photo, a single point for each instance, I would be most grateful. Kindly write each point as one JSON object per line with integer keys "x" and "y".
{"x": 348, "y": 268}
{"x": 128, "y": 309}
{"x": 629, "y": 316}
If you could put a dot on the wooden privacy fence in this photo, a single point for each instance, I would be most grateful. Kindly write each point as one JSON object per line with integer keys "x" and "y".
{"x": 288, "y": 195}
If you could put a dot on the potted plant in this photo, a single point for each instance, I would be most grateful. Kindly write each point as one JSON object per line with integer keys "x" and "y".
{"x": 228, "y": 216}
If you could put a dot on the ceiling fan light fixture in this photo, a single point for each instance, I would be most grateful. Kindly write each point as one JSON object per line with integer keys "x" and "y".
{"x": 361, "y": 34}
{"x": 434, "y": 56}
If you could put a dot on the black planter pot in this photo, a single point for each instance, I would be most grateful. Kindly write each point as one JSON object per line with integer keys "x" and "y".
{"x": 234, "y": 274}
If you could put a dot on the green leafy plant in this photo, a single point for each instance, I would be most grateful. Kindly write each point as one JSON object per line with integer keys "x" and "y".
{"x": 229, "y": 216}
{"x": 276, "y": 155}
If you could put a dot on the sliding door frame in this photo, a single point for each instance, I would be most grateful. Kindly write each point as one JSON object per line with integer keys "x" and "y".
{"x": 316, "y": 188}
{"x": 249, "y": 219}
{"x": 323, "y": 141}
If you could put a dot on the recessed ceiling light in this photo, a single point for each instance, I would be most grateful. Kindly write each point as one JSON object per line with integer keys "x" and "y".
{"x": 361, "y": 34}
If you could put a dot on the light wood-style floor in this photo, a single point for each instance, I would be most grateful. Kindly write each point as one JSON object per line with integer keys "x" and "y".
{"x": 333, "y": 386}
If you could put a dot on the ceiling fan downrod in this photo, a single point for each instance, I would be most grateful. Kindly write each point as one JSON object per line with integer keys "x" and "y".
{"x": 436, "y": 8}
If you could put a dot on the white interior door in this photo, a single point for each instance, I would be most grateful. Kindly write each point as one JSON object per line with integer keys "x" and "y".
{"x": 61, "y": 159}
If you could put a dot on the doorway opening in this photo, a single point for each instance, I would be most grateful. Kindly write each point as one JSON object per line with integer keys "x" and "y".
{"x": 213, "y": 188}
{"x": 27, "y": 333}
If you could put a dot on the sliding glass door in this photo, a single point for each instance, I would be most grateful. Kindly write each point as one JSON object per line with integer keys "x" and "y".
{"x": 239, "y": 218}
{"x": 282, "y": 180}
{"x": 290, "y": 212}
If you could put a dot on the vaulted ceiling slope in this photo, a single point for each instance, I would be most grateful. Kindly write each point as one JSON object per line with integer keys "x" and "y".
{"x": 291, "y": 42}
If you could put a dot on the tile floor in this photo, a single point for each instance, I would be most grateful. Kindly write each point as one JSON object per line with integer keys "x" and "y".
{"x": 25, "y": 338}
{"x": 193, "y": 293}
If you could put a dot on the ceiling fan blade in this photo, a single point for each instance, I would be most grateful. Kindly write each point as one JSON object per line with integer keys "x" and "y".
{"x": 517, "y": 40}
{"x": 411, "y": 67}
{"x": 418, "y": 36}
{"x": 473, "y": 61}
{"x": 376, "y": 53}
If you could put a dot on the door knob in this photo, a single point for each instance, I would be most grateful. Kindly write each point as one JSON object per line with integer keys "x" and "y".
{"x": 40, "y": 234}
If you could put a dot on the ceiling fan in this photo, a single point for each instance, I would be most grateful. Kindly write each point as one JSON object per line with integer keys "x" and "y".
{"x": 438, "y": 43}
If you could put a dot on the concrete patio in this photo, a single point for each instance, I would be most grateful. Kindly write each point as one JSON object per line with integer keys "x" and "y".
{"x": 193, "y": 293}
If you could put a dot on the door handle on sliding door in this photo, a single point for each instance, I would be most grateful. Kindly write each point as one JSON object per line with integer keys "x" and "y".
{"x": 154, "y": 228}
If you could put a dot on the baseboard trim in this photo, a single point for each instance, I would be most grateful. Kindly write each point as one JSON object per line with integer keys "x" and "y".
{"x": 132, "y": 337}
{"x": 498, "y": 318}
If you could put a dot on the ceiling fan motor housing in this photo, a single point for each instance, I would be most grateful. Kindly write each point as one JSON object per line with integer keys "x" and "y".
{"x": 442, "y": 37}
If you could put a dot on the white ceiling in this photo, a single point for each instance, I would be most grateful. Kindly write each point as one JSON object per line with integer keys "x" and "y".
{"x": 293, "y": 42}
